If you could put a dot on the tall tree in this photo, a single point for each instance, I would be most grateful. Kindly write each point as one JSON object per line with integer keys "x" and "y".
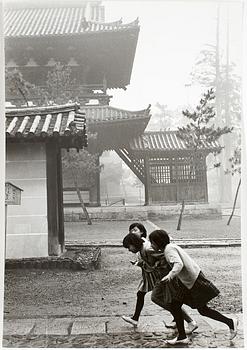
{"x": 201, "y": 129}
{"x": 80, "y": 168}
{"x": 211, "y": 71}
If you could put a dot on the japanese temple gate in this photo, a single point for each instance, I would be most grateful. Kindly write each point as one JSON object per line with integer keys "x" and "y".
{"x": 169, "y": 170}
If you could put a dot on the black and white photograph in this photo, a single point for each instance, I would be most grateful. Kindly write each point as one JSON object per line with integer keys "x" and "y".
{"x": 123, "y": 150}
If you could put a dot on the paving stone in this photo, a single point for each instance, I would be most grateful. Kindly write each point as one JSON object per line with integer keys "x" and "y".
{"x": 20, "y": 326}
{"x": 152, "y": 324}
{"x": 89, "y": 325}
{"x": 90, "y": 332}
{"x": 59, "y": 326}
{"x": 118, "y": 325}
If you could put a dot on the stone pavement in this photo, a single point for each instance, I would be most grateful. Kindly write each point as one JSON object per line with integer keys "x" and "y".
{"x": 112, "y": 331}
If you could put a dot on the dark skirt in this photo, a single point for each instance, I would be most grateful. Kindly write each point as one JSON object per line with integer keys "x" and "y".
{"x": 200, "y": 294}
{"x": 164, "y": 293}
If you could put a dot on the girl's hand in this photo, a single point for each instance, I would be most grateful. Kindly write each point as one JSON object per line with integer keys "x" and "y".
{"x": 166, "y": 278}
{"x": 133, "y": 262}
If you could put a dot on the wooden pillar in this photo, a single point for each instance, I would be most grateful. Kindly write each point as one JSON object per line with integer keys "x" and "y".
{"x": 52, "y": 198}
{"x": 98, "y": 183}
{"x": 205, "y": 178}
{"x": 177, "y": 182}
{"x": 147, "y": 180}
{"x": 60, "y": 201}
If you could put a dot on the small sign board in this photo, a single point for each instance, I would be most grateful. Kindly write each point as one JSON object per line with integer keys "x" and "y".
{"x": 12, "y": 194}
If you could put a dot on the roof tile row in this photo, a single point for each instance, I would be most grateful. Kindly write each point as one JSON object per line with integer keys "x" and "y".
{"x": 101, "y": 114}
{"x": 45, "y": 122}
{"x": 40, "y": 22}
{"x": 56, "y": 120}
{"x": 164, "y": 140}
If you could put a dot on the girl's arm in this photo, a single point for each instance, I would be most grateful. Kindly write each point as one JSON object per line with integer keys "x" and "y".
{"x": 172, "y": 256}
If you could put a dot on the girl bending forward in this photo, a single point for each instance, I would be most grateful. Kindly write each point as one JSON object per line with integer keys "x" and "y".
{"x": 154, "y": 267}
{"x": 195, "y": 290}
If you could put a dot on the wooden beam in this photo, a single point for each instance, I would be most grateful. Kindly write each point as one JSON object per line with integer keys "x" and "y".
{"x": 133, "y": 163}
{"x": 147, "y": 183}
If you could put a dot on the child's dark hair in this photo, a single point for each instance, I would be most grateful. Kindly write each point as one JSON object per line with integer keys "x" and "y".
{"x": 160, "y": 238}
{"x": 132, "y": 239}
{"x": 141, "y": 228}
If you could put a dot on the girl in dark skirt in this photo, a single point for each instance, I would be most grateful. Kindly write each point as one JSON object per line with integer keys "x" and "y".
{"x": 194, "y": 289}
{"x": 153, "y": 269}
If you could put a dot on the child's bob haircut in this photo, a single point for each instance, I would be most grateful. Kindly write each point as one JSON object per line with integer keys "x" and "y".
{"x": 141, "y": 228}
{"x": 160, "y": 238}
{"x": 132, "y": 239}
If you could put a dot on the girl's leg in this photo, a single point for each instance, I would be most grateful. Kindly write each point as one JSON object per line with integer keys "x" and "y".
{"x": 177, "y": 313}
{"x": 215, "y": 315}
{"x": 139, "y": 305}
{"x": 186, "y": 316}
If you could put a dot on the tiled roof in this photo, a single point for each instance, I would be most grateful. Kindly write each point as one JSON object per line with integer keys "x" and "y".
{"x": 163, "y": 140}
{"x": 106, "y": 114}
{"x": 43, "y": 22}
{"x": 45, "y": 122}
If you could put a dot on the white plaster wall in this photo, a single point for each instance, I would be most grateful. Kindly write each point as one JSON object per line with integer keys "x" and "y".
{"x": 27, "y": 228}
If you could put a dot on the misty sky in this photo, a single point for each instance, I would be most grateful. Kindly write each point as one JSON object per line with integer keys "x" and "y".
{"x": 171, "y": 36}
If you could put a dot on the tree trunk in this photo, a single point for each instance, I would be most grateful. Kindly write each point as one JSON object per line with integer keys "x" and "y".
{"x": 234, "y": 204}
{"x": 89, "y": 221}
{"x": 180, "y": 216}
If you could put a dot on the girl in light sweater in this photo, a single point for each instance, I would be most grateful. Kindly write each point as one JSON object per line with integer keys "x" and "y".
{"x": 194, "y": 290}
{"x": 153, "y": 269}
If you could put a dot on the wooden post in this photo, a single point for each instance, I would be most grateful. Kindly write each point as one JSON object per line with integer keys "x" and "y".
{"x": 147, "y": 180}
{"x": 6, "y": 219}
{"x": 205, "y": 178}
{"x": 52, "y": 198}
{"x": 234, "y": 204}
{"x": 180, "y": 216}
{"x": 98, "y": 184}
{"x": 60, "y": 201}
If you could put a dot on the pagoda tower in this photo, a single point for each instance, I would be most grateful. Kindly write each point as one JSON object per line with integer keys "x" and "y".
{"x": 100, "y": 56}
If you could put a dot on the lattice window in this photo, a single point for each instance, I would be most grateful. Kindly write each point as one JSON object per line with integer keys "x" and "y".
{"x": 190, "y": 173}
{"x": 185, "y": 172}
{"x": 160, "y": 174}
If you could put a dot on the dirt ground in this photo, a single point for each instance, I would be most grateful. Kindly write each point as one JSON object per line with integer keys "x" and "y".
{"x": 111, "y": 289}
{"x": 112, "y": 231}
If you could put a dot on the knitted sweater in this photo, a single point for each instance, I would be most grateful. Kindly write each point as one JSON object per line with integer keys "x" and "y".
{"x": 183, "y": 266}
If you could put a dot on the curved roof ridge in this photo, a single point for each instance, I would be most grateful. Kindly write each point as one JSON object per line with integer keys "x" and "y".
{"x": 134, "y": 112}
{"x": 160, "y": 132}
{"x": 43, "y": 109}
{"x": 141, "y": 111}
{"x": 117, "y": 23}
